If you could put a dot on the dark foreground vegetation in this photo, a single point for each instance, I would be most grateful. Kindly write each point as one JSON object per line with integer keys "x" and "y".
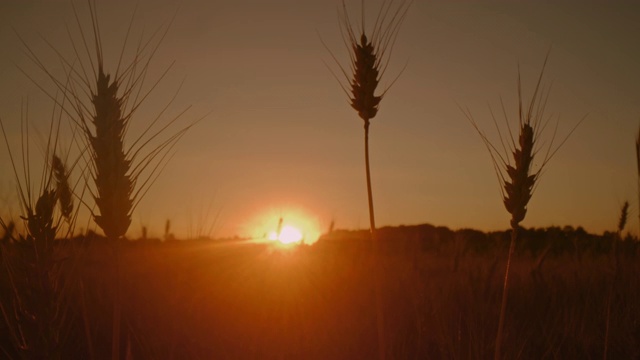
{"x": 205, "y": 299}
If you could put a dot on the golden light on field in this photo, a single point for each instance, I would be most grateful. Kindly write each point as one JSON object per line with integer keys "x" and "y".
{"x": 290, "y": 226}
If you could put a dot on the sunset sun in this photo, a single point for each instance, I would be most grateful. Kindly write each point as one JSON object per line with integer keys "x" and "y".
{"x": 288, "y": 235}
{"x": 285, "y": 227}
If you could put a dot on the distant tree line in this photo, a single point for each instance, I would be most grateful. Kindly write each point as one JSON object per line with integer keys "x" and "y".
{"x": 554, "y": 240}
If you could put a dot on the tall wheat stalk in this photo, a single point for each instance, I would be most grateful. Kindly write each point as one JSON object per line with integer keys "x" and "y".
{"x": 513, "y": 161}
{"x": 103, "y": 105}
{"x": 638, "y": 174}
{"x": 615, "y": 258}
{"x": 369, "y": 57}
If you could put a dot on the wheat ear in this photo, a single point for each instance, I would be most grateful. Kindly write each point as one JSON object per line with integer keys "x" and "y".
{"x": 114, "y": 185}
{"x": 63, "y": 190}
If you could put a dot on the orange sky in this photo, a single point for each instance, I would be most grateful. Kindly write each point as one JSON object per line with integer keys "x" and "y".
{"x": 280, "y": 136}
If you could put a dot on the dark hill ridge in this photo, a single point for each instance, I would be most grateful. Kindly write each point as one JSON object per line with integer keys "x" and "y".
{"x": 426, "y": 237}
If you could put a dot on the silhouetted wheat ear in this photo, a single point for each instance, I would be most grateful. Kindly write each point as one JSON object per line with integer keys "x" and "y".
{"x": 40, "y": 221}
{"x": 63, "y": 190}
{"x": 365, "y": 79}
{"x": 519, "y": 189}
{"x": 113, "y": 182}
{"x": 624, "y": 214}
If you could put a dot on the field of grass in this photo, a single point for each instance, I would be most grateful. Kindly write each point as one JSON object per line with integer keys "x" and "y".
{"x": 441, "y": 298}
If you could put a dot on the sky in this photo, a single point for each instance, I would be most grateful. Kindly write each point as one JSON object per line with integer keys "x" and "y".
{"x": 278, "y": 137}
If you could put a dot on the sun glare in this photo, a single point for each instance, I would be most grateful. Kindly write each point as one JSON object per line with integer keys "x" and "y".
{"x": 288, "y": 235}
{"x": 285, "y": 227}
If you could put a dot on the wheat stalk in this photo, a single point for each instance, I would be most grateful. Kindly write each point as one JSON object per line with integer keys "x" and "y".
{"x": 369, "y": 57}
{"x": 622, "y": 222}
{"x": 513, "y": 162}
{"x": 638, "y": 174}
